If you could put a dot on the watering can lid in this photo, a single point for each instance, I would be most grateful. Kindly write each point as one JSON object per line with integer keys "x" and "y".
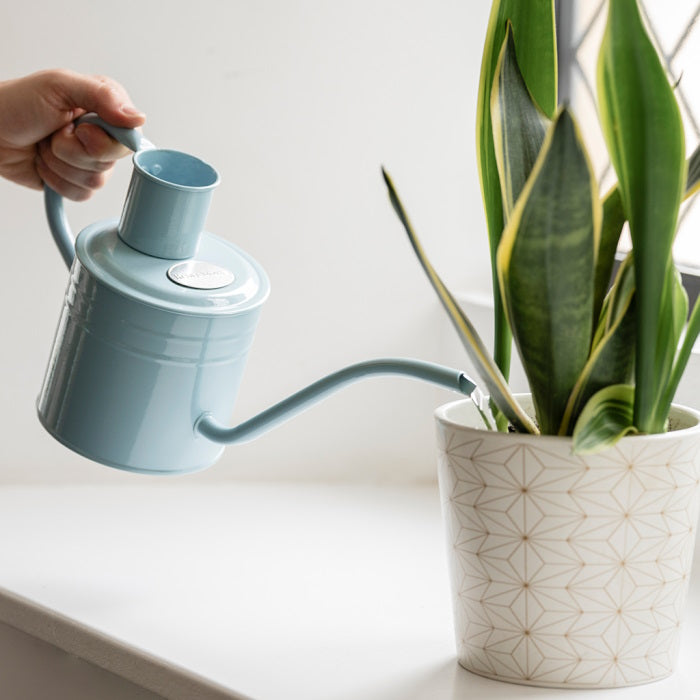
{"x": 240, "y": 283}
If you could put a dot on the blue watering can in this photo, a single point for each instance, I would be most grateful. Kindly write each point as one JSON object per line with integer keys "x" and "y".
{"x": 157, "y": 322}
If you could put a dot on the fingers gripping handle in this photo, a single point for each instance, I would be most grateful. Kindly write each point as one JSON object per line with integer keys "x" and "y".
{"x": 131, "y": 138}
{"x": 53, "y": 202}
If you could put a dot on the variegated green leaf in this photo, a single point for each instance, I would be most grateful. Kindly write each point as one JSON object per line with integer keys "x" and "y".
{"x": 488, "y": 371}
{"x": 606, "y": 418}
{"x": 644, "y": 133}
{"x": 545, "y": 265}
{"x": 692, "y": 182}
{"x": 619, "y": 294}
{"x": 613, "y": 221}
{"x": 612, "y": 356}
{"x": 533, "y": 25}
{"x": 674, "y": 311}
{"x": 519, "y": 125}
{"x": 691, "y": 335}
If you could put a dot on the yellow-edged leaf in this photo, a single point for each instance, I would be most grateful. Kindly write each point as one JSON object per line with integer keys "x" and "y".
{"x": 545, "y": 265}
{"x": 612, "y": 355}
{"x": 533, "y": 23}
{"x": 488, "y": 371}
{"x": 606, "y": 418}
{"x": 643, "y": 130}
{"x": 519, "y": 125}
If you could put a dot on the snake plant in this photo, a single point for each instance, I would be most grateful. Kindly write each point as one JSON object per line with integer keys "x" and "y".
{"x": 603, "y": 354}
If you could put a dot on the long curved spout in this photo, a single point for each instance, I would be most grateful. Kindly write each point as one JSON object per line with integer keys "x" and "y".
{"x": 207, "y": 426}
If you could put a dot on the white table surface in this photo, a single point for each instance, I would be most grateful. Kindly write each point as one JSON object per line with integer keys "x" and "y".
{"x": 263, "y": 591}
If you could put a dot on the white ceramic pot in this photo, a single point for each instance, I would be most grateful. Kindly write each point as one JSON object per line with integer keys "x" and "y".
{"x": 568, "y": 571}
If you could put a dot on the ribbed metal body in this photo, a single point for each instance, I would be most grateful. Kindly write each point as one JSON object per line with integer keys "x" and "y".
{"x": 127, "y": 379}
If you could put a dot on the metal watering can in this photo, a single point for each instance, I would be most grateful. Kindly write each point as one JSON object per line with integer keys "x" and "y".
{"x": 157, "y": 322}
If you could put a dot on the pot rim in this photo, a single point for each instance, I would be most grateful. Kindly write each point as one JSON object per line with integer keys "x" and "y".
{"x": 442, "y": 416}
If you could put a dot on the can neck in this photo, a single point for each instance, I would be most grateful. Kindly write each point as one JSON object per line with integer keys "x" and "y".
{"x": 167, "y": 203}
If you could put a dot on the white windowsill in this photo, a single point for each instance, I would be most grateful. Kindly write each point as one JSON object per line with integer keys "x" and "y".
{"x": 255, "y": 590}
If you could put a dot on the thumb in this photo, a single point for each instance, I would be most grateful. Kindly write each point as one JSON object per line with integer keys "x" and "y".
{"x": 74, "y": 92}
{"x": 35, "y": 106}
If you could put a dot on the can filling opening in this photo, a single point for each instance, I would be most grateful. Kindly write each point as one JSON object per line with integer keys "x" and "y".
{"x": 176, "y": 168}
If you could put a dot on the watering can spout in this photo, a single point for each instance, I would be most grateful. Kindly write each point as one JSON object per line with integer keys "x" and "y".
{"x": 208, "y": 426}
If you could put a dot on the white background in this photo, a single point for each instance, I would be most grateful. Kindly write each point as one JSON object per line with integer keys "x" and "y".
{"x": 296, "y": 103}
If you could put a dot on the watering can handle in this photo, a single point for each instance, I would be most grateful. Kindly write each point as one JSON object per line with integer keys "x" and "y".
{"x": 53, "y": 202}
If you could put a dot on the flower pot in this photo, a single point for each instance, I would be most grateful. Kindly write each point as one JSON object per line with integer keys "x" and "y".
{"x": 568, "y": 571}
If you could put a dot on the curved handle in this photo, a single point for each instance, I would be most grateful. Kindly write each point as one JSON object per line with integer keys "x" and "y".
{"x": 131, "y": 138}
{"x": 53, "y": 202}
{"x": 207, "y": 426}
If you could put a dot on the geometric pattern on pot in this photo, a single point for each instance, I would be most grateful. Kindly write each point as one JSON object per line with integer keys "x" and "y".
{"x": 568, "y": 571}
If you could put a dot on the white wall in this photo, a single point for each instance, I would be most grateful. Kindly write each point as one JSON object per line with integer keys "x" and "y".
{"x": 297, "y": 103}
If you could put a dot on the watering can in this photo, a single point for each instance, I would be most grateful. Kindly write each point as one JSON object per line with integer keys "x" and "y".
{"x": 157, "y": 322}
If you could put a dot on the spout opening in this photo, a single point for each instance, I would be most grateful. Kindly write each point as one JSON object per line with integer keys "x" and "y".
{"x": 176, "y": 169}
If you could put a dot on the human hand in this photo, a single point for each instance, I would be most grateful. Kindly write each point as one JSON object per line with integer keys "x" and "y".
{"x": 39, "y": 142}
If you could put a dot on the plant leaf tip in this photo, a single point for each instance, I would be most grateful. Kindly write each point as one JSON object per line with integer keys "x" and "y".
{"x": 387, "y": 178}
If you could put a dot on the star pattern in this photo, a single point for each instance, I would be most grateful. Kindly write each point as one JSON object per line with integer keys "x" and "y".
{"x": 569, "y": 571}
